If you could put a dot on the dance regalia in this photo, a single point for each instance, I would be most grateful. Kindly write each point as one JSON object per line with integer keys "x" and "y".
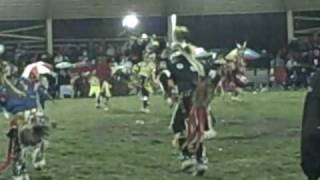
{"x": 185, "y": 80}
{"x": 163, "y": 74}
{"x": 234, "y": 71}
{"x": 162, "y": 78}
{"x": 145, "y": 72}
{"x": 26, "y": 129}
{"x": 191, "y": 117}
{"x": 14, "y": 104}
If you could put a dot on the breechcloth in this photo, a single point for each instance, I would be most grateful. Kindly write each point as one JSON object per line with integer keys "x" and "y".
{"x": 179, "y": 121}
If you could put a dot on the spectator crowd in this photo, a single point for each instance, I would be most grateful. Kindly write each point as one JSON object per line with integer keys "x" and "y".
{"x": 290, "y": 67}
{"x": 293, "y": 66}
{"x": 95, "y": 61}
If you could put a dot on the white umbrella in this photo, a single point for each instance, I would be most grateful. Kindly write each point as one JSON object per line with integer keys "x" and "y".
{"x": 249, "y": 54}
{"x": 36, "y": 69}
{"x": 64, "y": 65}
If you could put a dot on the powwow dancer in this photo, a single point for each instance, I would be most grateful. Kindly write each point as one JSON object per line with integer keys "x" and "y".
{"x": 105, "y": 94}
{"x": 24, "y": 131}
{"x": 103, "y": 73}
{"x": 145, "y": 72}
{"x": 27, "y": 127}
{"x": 101, "y": 91}
{"x": 95, "y": 88}
{"x": 234, "y": 72}
{"x": 26, "y": 134}
{"x": 190, "y": 118}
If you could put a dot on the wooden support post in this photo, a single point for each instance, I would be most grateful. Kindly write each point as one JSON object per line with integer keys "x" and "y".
{"x": 290, "y": 26}
{"x": 49, "y": 36}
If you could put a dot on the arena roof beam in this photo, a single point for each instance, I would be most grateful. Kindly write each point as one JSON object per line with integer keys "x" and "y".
{"x": 23, "y": 29}
{"x": 308, "y": 30}
{"x": 22, "y": 37}
{"x": 307, "y": 18}
{"x": 83, "y": 9}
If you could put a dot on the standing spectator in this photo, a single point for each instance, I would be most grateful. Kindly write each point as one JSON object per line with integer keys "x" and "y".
{"x": 316, "y": 41}
{"x": 103, "y": 71}
{"x": 52, "y": 89}
{"x": 316, "y": 58}
{"x": 18, "y": 54}
{"x": 94, "y": 50}
{"x": 80, "y": 86}
{"x": 45, "y": 57}
{"x": 291, "y": 70}
{"x": 279, "y": 70}
{"x": 67, "y": 51}
{"x": 302, "y": 78}
{"x": 64, "y": 83}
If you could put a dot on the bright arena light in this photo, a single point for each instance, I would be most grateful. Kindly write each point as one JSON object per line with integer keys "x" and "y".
{"x": 130, "y": 21}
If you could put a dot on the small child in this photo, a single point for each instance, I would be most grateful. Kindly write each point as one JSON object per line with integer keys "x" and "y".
{"x": 106, "y": 93}
{"x": 95, "y": 88}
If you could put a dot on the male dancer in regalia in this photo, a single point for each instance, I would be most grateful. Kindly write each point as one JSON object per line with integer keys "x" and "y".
{"x": 310, "y": 138}
{"x": 185, "y": 74}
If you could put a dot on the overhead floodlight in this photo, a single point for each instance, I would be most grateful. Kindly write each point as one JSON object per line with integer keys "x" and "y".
{"x": 130, "y": 21}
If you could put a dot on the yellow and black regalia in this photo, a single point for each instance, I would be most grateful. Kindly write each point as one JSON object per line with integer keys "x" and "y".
{"x": 145, "y": 72}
